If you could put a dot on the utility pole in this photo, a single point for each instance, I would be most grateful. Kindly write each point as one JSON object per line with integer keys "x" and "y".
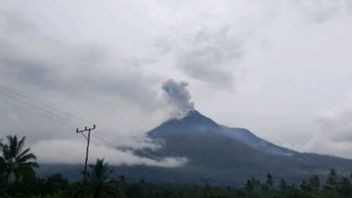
{"x": 87, "y": 150}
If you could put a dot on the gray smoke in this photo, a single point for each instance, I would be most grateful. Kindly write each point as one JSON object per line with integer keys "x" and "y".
{"x": 178, "y": 97}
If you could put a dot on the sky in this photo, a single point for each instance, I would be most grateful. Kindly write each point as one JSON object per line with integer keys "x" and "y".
{"x": 281, "y": 69}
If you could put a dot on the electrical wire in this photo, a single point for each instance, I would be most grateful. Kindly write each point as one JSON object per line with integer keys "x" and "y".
{"x": 19, "y": 100}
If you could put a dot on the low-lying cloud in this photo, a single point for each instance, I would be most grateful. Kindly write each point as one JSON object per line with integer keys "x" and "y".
{"x": 72, "y": 152}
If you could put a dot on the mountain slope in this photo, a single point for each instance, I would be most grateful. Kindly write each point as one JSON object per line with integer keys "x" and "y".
{"x": 224, "y": 151}
{"x": 195, "y": 124}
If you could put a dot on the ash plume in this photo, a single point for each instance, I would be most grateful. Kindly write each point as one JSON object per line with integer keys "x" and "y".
{"x": 178, "y": 97}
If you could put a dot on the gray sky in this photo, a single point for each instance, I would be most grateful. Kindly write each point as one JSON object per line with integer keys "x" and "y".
{"x": 279, "y": 68}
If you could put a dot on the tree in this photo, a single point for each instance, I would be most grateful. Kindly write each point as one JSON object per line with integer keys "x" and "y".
{"x": 51, "y": 185}
{"x": 17, "y": 163}
{"x": 283, "y": 184}
{"x": 139, "y": 189}
{"x": 98, "y": 183}
{"x": 122, "y": 185}
{"x": 344, "y": 187}
{"x": 269, "y": 180}
{"x": 314, "y": 183}
{"x": 331, "y": 181}
{"x": 305, "y": 186}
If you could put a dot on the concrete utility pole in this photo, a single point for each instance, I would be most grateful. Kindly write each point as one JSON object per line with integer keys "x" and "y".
{"x": 87, "y": 151}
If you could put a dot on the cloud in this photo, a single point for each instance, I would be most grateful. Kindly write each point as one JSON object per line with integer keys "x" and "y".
{"x": 77, "y": 66}
{"x": 208, "y": 41}
{"x": 178, "y": 97}
{"x": 322, "y": 11}
{"x": 333, "y": 132}
{"x": 29, "y": 59}
{"x": 211, "y": 57}
{"x": 72, "y": 152}
{"x": 207, "y": 56}
{"x": 88, "y": 83}
{"x": 50, "y": 87}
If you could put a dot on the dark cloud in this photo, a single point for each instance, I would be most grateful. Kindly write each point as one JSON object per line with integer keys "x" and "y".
{"x": 27, "y": 72}
{"x": 28, "y": 59}
{"x": 80, "y": 79}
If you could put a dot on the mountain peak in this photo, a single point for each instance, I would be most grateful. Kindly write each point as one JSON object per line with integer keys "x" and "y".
{"x": 194, "y": 118}
{"x": 192, "y": 121}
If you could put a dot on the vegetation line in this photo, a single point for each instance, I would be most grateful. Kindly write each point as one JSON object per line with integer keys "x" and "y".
{"x": 18, "y": 179}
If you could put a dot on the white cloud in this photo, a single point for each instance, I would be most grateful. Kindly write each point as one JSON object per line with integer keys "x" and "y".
{"x": 73, "y": 152}
{"x": 333, "y": 130}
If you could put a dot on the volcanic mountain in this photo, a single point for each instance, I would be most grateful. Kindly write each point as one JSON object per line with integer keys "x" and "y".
{"x": 226, "y": 155}
{"x": 221, "y": 155}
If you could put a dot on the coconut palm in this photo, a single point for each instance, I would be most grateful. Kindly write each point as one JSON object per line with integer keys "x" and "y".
{"x": 98, "y": 183}
{"x": 16, "y": 161}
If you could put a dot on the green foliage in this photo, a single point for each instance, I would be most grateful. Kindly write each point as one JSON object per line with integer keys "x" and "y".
{"x": 344, "y": 187}
{"x": 314, "y": 183}
{"x": 331, "y": 181}
{"x": 98, "y": 183}
{"x": 269, "y": 180}
{"x": 17, "y": 164}
{"x": 51, "y": 185}
{"x": 61, "y": 194}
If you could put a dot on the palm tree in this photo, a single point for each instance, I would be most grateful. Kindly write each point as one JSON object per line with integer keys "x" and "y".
{"x": 97, "y": 183}
{"x": 16, "y": 162}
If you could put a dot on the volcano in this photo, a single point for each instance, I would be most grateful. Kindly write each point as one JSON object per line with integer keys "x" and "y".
{"x": 226, "y": 155}
{"x": 219, "y": 155}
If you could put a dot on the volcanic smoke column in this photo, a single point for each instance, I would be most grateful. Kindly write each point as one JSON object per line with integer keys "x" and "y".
{"x": 178, "y": 96}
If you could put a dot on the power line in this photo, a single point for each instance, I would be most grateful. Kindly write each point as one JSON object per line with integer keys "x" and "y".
{"x": 45, "y": 111}
{"x": 35, "y": 106}
{"x": 42, "y": 115}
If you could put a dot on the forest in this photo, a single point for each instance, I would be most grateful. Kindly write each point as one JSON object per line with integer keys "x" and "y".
{"x": 18, "y": 179}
